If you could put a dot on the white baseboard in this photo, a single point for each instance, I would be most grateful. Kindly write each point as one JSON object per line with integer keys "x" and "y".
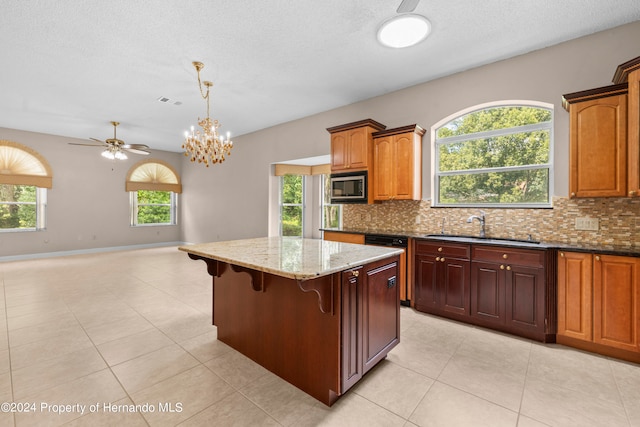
{"x": 87, "y": 251}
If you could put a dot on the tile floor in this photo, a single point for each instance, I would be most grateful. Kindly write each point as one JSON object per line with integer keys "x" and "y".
{"x": 118, "y": 329}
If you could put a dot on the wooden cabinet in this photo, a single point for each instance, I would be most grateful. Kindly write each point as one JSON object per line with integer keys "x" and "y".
{"x": 575, "y": 277}
{"x": 599, "y": 303}
{"x": 397, "y": 162}
{"x": 352, "y": 145}
{"x": 629, "y": 74}
{"x": 338, "y": 236}
{"x": 508, "y": 289}
{"x": 502, "y": 288}
{"x": 442, "y": 278}
{"x": 598, "y": 142}
{"x": 370, "y": 317}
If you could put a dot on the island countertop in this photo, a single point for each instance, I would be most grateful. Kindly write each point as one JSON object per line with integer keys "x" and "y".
{"x": 291, "y": 257}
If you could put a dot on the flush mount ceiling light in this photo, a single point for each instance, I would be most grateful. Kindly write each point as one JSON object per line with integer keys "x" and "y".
{"x": 404, "y": 30}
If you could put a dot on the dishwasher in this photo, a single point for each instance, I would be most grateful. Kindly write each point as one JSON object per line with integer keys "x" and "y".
{"x": 394, "y": 242}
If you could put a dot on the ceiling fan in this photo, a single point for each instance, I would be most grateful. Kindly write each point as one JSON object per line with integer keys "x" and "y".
{"x": 115, "y": 148}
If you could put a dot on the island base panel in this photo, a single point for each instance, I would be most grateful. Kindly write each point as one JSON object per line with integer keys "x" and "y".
{"x": 282, "y": 327}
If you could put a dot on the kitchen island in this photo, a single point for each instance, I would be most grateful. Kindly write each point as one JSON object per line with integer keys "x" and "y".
{"x": 318, "y": 314}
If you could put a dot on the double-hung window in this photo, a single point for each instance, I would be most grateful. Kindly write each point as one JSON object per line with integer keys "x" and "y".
{"x": 153, "y": 207}
{"x": 22, "y": 207}
{"x": 292, "y": 205}
{"x": 498, "y": 155}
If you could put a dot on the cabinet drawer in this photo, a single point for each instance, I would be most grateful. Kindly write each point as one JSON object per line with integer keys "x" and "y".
{"x": 454, "y": 250}
{"x": 525, "y": 257}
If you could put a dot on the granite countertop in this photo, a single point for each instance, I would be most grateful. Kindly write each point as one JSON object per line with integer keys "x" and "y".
{"x": 291, "y": 257}
{"x": 604, "y": 249}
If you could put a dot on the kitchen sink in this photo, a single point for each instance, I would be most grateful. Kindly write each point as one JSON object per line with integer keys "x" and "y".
{"x": 476, "y": 239}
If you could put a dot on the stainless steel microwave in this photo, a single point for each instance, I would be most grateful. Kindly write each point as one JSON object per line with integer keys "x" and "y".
{"x": 349, "y": 187}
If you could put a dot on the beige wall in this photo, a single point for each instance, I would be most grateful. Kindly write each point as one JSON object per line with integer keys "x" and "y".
{"x": 88, "y": 206}
{"x": 231, "y": 201}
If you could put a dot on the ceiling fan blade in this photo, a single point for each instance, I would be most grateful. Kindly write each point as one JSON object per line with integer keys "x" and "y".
{"x": 98, "y": 140}
{"x": 136, "y": 148}
{"x": 407, "y": 6}
{"x": 88, "y": 145}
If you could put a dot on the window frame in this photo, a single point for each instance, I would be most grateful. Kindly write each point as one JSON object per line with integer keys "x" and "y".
{"x": 173, "y": 207}
{"x": 41, "y": 209}
{"x": 436, "y": 143}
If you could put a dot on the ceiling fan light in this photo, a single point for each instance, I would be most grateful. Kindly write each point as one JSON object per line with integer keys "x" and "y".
{"x": 108, "y": 155}
{"x": 120, "y": 155}
{"x": 404, "y": 30}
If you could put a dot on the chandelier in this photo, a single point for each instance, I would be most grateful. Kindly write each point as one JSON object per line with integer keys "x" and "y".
{"x": 206, "y": 146}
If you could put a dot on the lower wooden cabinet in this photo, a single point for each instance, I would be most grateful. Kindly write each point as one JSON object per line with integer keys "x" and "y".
{"x": 370, "y": 317}
{"x": 599, "y": 303}
{"x": 502, "y": 288}
{"x": 442, "y": 279}
{"x": 508, "y": 289}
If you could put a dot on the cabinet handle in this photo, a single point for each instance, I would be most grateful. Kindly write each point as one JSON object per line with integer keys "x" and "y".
{"x": 562, "y": 254}
{"x": 437, "y": 258}
{"x": 439, "y": 249}
{"x": 509, "y": 267}
{"x": 502, "y": 267}
{"x": 631, "y": 193}
{"x": 442, "y": 259}
{"x": 355, "y": 273}
{"x": 597, "y": 257}
{"x": 505, "y": 256}
{"x": 573, "y": 194}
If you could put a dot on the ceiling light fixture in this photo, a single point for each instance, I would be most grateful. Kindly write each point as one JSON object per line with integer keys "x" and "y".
{"x": 207, "y": 146}
{"x": 404, "y": 30}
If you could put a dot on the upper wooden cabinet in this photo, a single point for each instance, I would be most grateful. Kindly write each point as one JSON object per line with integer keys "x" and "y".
{"x": 629, "y": 73}
{"x": 397, "y": 162}
{"x": 598, "y": 142}
{"x": 352, "y": 145}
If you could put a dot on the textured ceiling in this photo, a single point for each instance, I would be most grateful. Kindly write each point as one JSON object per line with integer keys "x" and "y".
{"x": 69, "y": 67}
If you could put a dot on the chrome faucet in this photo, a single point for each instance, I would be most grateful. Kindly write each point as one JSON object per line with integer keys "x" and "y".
{"x": 481, "y": 219}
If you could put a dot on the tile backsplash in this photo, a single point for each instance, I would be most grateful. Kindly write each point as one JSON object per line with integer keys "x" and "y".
{"x": 619, "y": 220}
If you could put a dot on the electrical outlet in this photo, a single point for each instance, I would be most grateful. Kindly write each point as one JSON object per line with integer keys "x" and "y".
{"x": 586, "y": 223}
{"x": 418, "y": 219}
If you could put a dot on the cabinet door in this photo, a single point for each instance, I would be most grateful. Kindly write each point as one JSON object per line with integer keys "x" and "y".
{"x": 426, "y": 294}
{"x": 487, "y": 293}
{"x": 404, "y": 166}
{"x": 454, "y": 286}
{"x": 358, "y": 148}
{"x": 598, "y": 148}
{"x": 575, "y": 276}
{"x": 525, "y": 298}
{"x": 616, "y": 300}
{"x": 380, "y": 314}
{"x": 339, "y": 159}
{"x": 351, "y": 328}
{"x": 384, "y": 166}
{"x": 633, "y": 135}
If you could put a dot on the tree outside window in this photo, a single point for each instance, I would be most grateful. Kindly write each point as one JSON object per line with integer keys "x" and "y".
{"x": 291, "y": 205}
{"x": 153, "y": 207}
{"x": 331, "y": 214}
{"x": 495, "y": 156}
{"x": 19, "y": 207}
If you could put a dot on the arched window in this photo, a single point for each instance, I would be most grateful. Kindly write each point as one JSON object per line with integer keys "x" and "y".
{"x": 497, "y": 154}
{"x": 24, "y": 177}
{"x": 154, "y": 187}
